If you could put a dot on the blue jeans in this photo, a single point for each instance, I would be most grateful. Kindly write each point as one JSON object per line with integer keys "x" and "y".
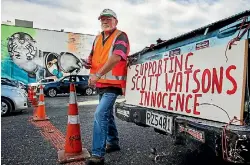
{"x": 104, "y": 125}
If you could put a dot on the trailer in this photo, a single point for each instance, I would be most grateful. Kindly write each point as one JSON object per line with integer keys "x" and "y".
{"x": 195, "y": 87}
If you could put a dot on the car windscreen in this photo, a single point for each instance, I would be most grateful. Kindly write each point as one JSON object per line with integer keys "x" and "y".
{"x": 8, "y": 83}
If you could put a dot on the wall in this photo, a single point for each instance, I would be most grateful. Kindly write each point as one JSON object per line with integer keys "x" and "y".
{"x": 29, "y": 54}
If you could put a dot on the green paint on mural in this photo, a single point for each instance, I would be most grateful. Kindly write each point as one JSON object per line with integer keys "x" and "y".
{"x": 8, "y": 68}
{"x": 6, "y": 32}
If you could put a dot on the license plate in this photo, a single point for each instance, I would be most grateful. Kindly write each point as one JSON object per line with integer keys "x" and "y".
{"x": 159, "y": 121}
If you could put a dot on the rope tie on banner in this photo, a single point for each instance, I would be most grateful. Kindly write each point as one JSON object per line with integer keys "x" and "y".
{"x": 238, "y": 37}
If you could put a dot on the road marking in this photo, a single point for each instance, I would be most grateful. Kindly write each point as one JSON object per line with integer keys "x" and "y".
{"x": 56, "y": 137}
{"x": 53, "y": 135}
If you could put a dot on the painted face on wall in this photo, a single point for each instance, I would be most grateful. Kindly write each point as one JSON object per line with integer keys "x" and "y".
{"x": 22, "y": 50}
{"x": 53, "y": 68}
{"x": 52, "y": 63}
{"x": 108, "y": 23}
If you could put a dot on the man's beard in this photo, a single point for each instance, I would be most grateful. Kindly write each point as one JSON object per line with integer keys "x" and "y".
{"x": 107, "y": 29}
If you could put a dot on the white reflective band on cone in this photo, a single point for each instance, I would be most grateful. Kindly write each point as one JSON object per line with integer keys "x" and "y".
{"x": 72, "y": 98}
{"x": 41, "y": 91}
{"x": 41, "y": 103}
{"x": 73, "y": 119}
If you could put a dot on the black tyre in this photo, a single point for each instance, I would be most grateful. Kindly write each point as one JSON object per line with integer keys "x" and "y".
{"x": 88, "y": 91}
{"x": 52, "y": 92}
{"x": 6, "y": 107}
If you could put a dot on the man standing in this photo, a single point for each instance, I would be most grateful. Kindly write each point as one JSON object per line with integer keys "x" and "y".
{"x": 108, "y": 61}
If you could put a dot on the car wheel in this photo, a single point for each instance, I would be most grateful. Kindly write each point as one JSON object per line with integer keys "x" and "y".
{"x": 88, "y": 91}
{"x": 6, "y": 107}
{"x": 52, "y": 92}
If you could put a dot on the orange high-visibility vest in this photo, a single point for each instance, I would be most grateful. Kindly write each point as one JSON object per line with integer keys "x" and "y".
{"x": 101, "y": 55}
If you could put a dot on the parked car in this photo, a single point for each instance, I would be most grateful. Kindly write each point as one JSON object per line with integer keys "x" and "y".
{"x": 5, "y": 81}
{"x": 12, "y": 99}
{"x": 42, "y": 81}
{"x": 46, "y": 80}
{"x": 14, "y": 83}
{"x": 62, "y": 85}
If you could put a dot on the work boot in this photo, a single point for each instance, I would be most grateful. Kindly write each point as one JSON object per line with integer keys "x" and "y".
{"x": 112, "y": 148}
{"x": 95, "y": 160}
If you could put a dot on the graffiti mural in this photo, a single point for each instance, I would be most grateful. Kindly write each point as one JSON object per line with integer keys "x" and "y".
{"x": 30, "y": 55}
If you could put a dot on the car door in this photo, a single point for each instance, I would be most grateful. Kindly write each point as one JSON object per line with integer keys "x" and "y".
{"x": 78, "y": 84}
{"x": 64, "y": 84}
{"x": 82, "y": 84}
{"x": 85, "y": 81}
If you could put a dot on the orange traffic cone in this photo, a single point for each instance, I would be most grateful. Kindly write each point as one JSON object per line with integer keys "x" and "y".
{"x": 39, "y": 112}
{"x": 29, "y": 92}
{"x": 34, "y": 99}
{"x": 73, "y": 150}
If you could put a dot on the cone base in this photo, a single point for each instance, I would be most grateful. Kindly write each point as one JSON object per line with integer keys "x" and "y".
{"x": 39, "y": 119}
{"x": 69, "y": 157}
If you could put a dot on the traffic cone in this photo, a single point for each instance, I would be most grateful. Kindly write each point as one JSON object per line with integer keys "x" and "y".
{"x": 30, "y": 95}
{"x": 29, "y": 92}
{"x": 34, "y": 99}
{"x": 39, "y": 112}
{"x": 73, "y": 150}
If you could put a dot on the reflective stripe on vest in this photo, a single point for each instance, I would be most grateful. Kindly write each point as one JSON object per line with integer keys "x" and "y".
{"x": 111, "y": 77}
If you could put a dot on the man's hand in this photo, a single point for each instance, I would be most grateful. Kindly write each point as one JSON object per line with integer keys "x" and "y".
{"x": 92, "y": 80}
{"x": 86, "y": 63}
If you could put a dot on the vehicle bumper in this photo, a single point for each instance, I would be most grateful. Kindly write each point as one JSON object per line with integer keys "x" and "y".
{"x": 21, "y": 103}
{"x": 198, "y": 130}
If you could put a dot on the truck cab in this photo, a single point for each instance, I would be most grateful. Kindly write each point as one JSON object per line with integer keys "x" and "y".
{"x": 195, "y": 87}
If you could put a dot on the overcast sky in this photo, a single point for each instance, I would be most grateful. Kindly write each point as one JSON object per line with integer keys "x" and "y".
{"x": 143, "y": 20}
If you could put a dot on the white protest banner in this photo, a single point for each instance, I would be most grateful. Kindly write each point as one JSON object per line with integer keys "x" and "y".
{"x": 207, "y": 83}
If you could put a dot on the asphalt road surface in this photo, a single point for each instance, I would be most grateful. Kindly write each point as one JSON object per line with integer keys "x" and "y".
{"x": 22, "y": 142}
